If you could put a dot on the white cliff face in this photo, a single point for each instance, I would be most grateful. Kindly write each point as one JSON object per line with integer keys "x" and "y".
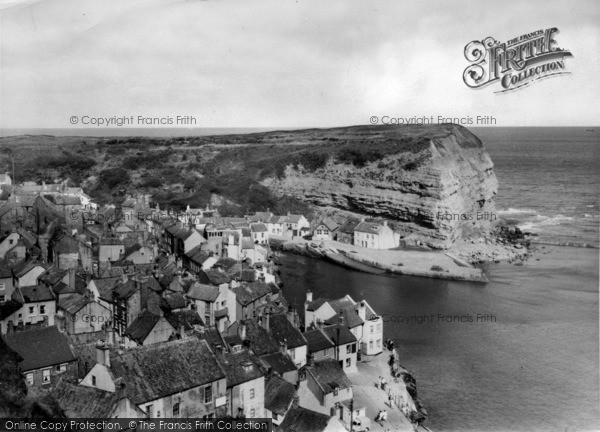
{"x": 438, "y": 195}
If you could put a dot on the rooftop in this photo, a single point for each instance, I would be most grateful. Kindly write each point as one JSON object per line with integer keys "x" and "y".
{"x": 41, "y": 347}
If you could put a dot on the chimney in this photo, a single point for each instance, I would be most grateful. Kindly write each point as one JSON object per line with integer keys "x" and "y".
{"x": 310, "y": 360}
{"x": 72, "y": 278}
{"x": 309, "y": 296}
{"x": 181, "y": 332}
{"x": 124, "y": 277}
{"x": 283, "y": 346}
{"x": 103, "y": 353}
{"x": 266, "y": 321}
{"x": 384, "y": 223}
{"x": 362, "y": 310}
{"x": 242, "y": 332}
{"x": 291, "y": 315}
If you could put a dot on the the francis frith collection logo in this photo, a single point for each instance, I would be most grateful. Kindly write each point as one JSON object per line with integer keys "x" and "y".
{"x": 516, "y": 63}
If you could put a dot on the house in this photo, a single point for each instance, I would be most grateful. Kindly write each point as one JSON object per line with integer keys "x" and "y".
{"x": 39, "y": 304}
{"x": 140, "y": 254}
{"x": 345, "y": 346}
{"x": 186, "y": 322}
{"x": 45, "y": 351}
{"x": 358, "y": 317}
{"x": 215, "y": 304}
{"x": 325, "y": 230}
{"x": 301, "y": 419}
{"x": 245, "y": 384}
{"x": 196, "y": 260}
{"x": 288, "y": 336}
{"x": 6, "y": 283}
{"x": 178, "y": 379}
{"x": 249, "y": 296}
{"x": 276, "y": 225}
{"x": 374, "y": 235}
{"x": 279, "y": 398}
{"x": 260, "y": 233}
{"x": 82, "y": 314}
{"x": 319, "y": 345}
{"x": 129, "y": 298}
{"x": 181, "y": 240}
{"x": 149, "y": 328}
{"x": 13, "y": 246}
{"x": 88, "y": 402}
{"x": 65, "y": 253}
{"x": 27, "y": 272}
{"x": 295, "y": 225}
{"x": 328, "y": 383}
{"x": 345, "y": 233}
{"x": 110, "y": 249}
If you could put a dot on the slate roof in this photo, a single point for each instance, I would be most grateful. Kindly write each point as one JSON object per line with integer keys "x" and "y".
{"x": 279, "y": 362}
{"x": 316, "y": 304}
{"x": 37, "y": 293}
{"x": 173, "y": 301}
{"x": 281, "y": 329}
{"x": 348, "y": 226}
{"x": 158, "y": 370}
{"x": 212, "y": 336}
{"x": 258, "y": 227}
{"x": 369, "y": 227}
{"x": 141, "y": 327}
{"x": 317, "y": 340}
{"x": 279, "y": 394}
{"x": 247, "y": 243}
{"x": 216, "y": 276}
{"x": 131, "y": 249}
{"x": 110, "y": 241}
{"x": 240, "y": 367}
{"x": 53, "y": 275}
{"x": 339, "y": 334}
{"x": 105, "y": 287}
{"x": 203, "y": 292}
{"x": 72, "y": 302}
{"x": 246, "y": 293}
{"x": 41, "y": 347}
{"x": 124, "y": 290}
{"x": 293, "y": 218}
{"x": 261, "y": 217}
{"x": 225, "y": 263}
{"x": 25, "y": 266}
{"x": 261, "y": 341}
{"x": 67, "y": 245}
{"x": 197, "y": 255}
{"x": 329, "y": 374}
{"x": 300, "y": 419}
{"x": 10, "y": 307}
{"x": 84, "y": 402}
{"x": 186, "y": 318}
{"x": 5, "y": 271}
{"x": 329, "y": 223}
{"x": 349, "y": 316}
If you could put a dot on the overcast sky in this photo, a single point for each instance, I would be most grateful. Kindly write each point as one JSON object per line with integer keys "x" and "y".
{"x": 273, "y": 64}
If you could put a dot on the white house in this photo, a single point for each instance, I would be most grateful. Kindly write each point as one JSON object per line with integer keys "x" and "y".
{"x": 374, "y": 235}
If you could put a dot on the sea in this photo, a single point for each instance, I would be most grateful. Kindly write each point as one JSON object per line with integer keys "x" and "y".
{"x": 520, "y": 353}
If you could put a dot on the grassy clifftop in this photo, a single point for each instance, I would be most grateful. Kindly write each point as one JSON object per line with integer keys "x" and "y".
{"x": 226, "y": 169}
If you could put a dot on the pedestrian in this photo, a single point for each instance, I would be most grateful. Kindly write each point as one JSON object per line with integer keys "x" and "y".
{"x": 391, "y": 344}
{"x": 390, "y": 398}
{"x": 380, "y": 381}
{"x": 383, "y": 416}
{"x": 378, "y": 417}
{"x": 383, "y": 383}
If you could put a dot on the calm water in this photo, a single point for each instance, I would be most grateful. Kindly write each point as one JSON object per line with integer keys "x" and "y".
{"x": 534, "y": 366}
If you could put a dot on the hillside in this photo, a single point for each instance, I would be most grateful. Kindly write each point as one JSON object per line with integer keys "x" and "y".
{"x": 406, "y": 174}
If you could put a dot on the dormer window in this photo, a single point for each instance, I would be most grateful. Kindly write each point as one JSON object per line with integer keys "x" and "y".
{"x": 248, "y": 366}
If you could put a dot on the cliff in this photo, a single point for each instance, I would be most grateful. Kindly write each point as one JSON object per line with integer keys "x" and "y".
{"x": 439, "y": 190}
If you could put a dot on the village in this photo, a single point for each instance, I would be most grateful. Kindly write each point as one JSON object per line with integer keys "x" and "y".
{"x": 134, "y": 311}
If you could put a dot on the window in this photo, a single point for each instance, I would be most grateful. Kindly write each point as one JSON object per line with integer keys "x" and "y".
{"x": 150, "y": 410}
{"x": 326, "y": 353}
{"x": 29, "y": 378}
{"x": 349, "y": 349}
{"x": 42, "y": 309}
{"x": 336, "y": 390}
{"x": 378, "y": 343}
{"x": 252, "y": 413}
{"x": 251, "y": 393}
{"x": 2, "y": 286}
{"x": 93, "y": 380}
{"x": 274, "y": 416}
{"x": 2, "y": 298}
{"x": 370, "y": 344}
{"x": 348, "y": 362}
{"x": 176, "y": 410}
{"x": 372, "y": 329}
{"x": 46, "y": 376}
{"x": 378, "y": 327}
{"x": 208, "y": 394}
{"x": 31, "y": 310}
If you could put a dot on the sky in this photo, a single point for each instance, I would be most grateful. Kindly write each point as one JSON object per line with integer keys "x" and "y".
{"x": 282, "y": 64}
